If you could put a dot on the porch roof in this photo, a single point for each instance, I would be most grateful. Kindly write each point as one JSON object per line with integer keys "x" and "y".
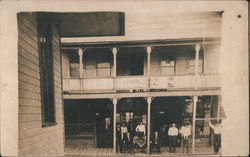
{"x": 141, "y": 43}
{"x": 77, "y": 95}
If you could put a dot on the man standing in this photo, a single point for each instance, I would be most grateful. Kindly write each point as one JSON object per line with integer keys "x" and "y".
{"x": 185, "y": 132}
{"x": 217, "y": 135}
{"x": 155, "y": 143}
{"x": 124, "y": 137}
{"x": 172, "y": 133}
{"x": 118, "y": 139}
{"x": 107, "y": 136}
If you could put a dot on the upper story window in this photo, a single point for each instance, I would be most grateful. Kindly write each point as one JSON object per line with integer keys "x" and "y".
{"x": 74, "y": 64}
{"x": 46, "y": 71}
{"x": 103, "y": 64}
{"x": 167, "y": 64}
{"x": 168, "y": 67}
{"x": 97, "y": 62}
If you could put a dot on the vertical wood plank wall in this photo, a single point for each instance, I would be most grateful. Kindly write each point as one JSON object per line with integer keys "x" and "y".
{"x": 34, "y": 139}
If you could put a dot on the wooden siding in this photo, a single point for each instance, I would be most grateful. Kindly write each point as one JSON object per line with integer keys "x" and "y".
{"x": 35, "y": 140}
{"x": 211, "y": 58}
{"x": 161, "y": 24}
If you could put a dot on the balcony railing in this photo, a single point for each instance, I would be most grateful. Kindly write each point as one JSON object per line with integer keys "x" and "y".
{"x": 121, "y": 83}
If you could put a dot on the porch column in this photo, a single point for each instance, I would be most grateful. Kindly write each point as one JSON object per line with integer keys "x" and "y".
{"x": 149, "y": 100}
{"x": 114, "y": 100}
{"x": 114, "y": 51}
{"x": 80, "y": 53}
{"x": 149, "y": 50}
{"x": 195, "y": 101}
{"x": 197, "y": 50}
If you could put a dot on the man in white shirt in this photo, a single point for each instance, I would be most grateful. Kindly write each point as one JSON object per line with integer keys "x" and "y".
{"x": 124, "y": 137}
{"x": 141, "y": 130}
{"x": 217, "y": 135}
{"x": 172, "y": 133}
{"x": 185, "y": 132}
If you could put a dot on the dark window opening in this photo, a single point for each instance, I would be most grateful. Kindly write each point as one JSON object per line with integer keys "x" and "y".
{"x": 130, "y": 61}
{"x": 46, "y": 70}
{"x": 74, "y": 63}
{"x": 167, "y": 63}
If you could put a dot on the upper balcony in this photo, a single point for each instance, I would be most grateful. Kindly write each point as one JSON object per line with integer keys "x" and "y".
{"x": 141, "y": 68}
{"x": 140, "y": 83}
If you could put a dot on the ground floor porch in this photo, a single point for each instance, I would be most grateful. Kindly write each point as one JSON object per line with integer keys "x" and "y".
{"x": 91, "y": 124}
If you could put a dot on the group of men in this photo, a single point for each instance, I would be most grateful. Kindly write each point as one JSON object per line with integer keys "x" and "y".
{"x": 185, "y": 132}
{"x": 126, "y": 133}
{"x": 125, "y": 136}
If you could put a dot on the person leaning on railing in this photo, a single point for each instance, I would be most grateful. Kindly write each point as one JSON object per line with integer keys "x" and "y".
{"x": 217, "y": 135}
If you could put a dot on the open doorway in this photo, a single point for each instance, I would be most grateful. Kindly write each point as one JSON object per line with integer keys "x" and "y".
{"x": 165, "y": 111}
{"x": 88, "y": 123}
{"x": 130, "y": 61}
{"x": 132, "y": 121}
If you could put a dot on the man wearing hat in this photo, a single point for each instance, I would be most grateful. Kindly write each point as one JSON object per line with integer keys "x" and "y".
{"x": 172, "y": 133}
{"x": 217, "y": 135}
{"x": 185, "y": 132}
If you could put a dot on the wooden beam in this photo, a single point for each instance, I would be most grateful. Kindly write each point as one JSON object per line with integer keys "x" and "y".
{"x": 217, "y": 118}
{"x": 141, "y": 43}
{"x": 142, "y": 94}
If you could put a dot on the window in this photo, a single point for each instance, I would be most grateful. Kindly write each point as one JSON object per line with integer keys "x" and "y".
{"x": 46, "y": 72}
{"x": 103, "y": 63}
{"x": 74, "y": 64}
{"x": 167, "y": 64}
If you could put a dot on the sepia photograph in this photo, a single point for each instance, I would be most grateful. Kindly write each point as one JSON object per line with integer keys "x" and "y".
{"x": 124, "y": 78}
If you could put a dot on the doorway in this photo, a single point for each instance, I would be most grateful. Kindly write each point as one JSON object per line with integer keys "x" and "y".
{"x": 130, "y": 61}
{"x": 88, "y": 123}
{"x": 165, "y": 111}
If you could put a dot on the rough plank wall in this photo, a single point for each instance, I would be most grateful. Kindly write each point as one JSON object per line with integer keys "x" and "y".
{"x": 33, "y": 139}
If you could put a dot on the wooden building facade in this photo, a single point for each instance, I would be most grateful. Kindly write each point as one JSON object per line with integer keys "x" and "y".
{"x": 162, "y": 73}
{"x": 75, "y": 70}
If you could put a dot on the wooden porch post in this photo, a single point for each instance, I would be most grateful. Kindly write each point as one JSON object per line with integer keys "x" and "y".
{"x": 195, "y": 100}
{"x": 149, "y": 50}
{"x": 80, "y": 53}
{"x": 114, "y": 100}
{"x": 149, "y": 100}
{"x": 114, "y": 51}
{"x": 197, "y": 50}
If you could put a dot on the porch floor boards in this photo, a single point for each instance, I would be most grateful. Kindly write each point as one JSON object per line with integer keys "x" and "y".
{"x": 78, "y": 151}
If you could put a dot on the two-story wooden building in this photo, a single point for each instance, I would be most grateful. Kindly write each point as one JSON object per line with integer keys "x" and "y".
{"x": 155, "y": 81}
{"x": 71, "y": 73}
